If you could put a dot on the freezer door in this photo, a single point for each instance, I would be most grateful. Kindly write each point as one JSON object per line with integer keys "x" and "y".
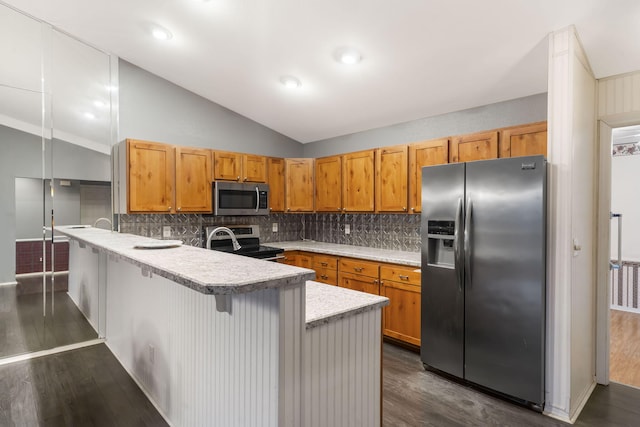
{"x": 442, "y": 336}
{"x": 505, "y": 286}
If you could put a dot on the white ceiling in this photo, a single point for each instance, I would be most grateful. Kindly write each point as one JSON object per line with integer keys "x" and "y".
{"x": 420, "y": 57}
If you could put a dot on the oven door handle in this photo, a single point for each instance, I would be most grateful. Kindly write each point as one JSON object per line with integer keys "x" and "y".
{"x": 274, "y": 258}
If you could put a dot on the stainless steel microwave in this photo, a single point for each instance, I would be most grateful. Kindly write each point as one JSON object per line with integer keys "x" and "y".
{"x": 235, "y": 198}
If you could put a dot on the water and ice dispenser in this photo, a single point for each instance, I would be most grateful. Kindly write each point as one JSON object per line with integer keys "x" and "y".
{"x": 440, "y": 235}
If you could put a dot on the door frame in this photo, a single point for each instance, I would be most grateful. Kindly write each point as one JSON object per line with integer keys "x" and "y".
{"x": 603, "y": 250}
{"x": 603, "y": 253}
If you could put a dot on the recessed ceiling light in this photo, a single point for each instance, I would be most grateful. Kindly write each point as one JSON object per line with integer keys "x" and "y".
{"x": 89, "y": 116}
{"x": 161, "y": 33}
{"x": 347, "y": 55}
{"x": 290, "y": 82}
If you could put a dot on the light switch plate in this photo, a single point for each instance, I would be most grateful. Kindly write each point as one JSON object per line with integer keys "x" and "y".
{"x": 347, "y": 229}
{"x": 166, "y": 231}
{"x": 274, "y": 227}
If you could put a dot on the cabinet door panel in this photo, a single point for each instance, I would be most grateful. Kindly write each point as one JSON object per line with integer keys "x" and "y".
{"x": 477, "y": 146}
{"x": 227, "y": 166}
{"x": 402, "y": 315}
{"x": 391, "y": 179}
{"x": 193, "y": 180}
{"x": 527, "y": 140}
{"x": 329, "y": 184}
{"x": 299, "y": 185}
{"x": 358, "y": 181}
{"x": 422, "y": 154}
{"x": 254, "y": 168}
{"x": 275, "y": 169}
{"x": 150, "y": 176}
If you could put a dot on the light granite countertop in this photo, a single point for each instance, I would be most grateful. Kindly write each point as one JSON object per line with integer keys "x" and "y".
{"x": 327, "y": 303}
{"x": 203, "y": 270}
{"x": 382, "y": 255}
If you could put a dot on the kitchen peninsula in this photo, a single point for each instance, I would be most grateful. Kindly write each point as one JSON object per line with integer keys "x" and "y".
{"x": 220, "y": 339}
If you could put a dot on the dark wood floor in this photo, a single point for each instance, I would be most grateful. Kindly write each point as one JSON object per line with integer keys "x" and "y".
{"x": 88, "y": 387}
{"x": 415, "y": 397}
{"x": 84, "y": 387}
{"x": 23, "y": 328}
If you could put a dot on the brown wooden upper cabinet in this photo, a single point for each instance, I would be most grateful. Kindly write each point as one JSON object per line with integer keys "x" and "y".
{"x": 329, "y": 184}
{"x": 275, "y": 178}
{"x": 526, "y": 140}
{"x": 299, "y": 185}
{"x": 193, "y": 179}
{"x": 391, "y": 179}
{"x": 475, "y": 146}
{"x": 427, "y": 153}
{"x": 230, "y": 166}
{"x": 151, "y": 176}
{"x": 358, "y": 181}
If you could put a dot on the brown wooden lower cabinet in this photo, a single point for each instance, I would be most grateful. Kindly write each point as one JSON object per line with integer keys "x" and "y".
{"x": 402, "y": 315}
{"x": 400, "y": 283}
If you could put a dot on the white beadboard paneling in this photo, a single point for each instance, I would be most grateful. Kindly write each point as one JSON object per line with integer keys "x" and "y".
{"x": 619, "y": 98}
{"x": 342, "y": 362}
{"x": 237, "y": 368}
{"x": 86, "y": 275}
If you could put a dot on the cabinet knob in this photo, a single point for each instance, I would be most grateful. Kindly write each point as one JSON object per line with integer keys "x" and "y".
{"x": 375, "y": 281}
{"x": 238, "y": 178}
{"x": 344, "y": 209}
{"x": 413, "y": 209}
{"x": 288, "y": 209}
{"x": 245, "y": 179}
{"x": 404, "y": 208}
{"x": 169, "y": 208}
{"x": 358, "y": 269}
{"x": 403, "y": 277}
{"x": 381, "y": 283}
{"x": 179, "y": 209}
{"x": 324, "y": 264}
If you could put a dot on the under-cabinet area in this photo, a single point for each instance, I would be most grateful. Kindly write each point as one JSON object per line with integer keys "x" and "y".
{"x": 399, "y": 281}
{"x": 161, "y": 178}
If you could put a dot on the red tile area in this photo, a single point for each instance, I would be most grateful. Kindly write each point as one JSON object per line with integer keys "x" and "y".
{"x": 29, "y": 256}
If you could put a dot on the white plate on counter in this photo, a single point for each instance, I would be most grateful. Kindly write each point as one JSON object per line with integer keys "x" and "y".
{"x": 158, "y": 244}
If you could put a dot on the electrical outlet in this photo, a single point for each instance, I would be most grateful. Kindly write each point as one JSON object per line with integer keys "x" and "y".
{"x": 152, "y": 354}
{"x": 166, "y": 231}
{"x": 274, "y": 227}
{"x": 347, "y": 229}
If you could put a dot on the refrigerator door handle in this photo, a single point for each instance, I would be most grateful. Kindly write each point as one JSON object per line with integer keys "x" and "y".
{"x": 467, "y": 242}
{"x": 457, "y": 262}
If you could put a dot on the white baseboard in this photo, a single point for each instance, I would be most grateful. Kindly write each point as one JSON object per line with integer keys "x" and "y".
{"x": 627, "y": 309}
{"x": 36, "y": 354}
{"x": 8, "y": 283}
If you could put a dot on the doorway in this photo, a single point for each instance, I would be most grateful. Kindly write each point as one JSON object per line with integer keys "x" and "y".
{"x": 624, "y": 295}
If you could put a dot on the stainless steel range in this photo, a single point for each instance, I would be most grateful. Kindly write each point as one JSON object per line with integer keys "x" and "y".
{"x": 220, "y": 238}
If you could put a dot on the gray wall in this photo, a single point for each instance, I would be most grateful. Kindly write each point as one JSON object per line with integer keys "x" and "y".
{"x": 20, "y": 156}
{"x": 154, "y": 109}
{"x": 508, "y": 113}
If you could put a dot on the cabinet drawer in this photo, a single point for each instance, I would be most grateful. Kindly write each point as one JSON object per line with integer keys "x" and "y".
{"x": 358, "y": 282}
{"x": 325, "y": 261}
{"x": 357, "y": 266}
{"x": 328, "y": 276}
{"x": 400, "y": 273}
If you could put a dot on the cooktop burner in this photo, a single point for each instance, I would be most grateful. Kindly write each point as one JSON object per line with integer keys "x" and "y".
{"x": 248, "y": 237}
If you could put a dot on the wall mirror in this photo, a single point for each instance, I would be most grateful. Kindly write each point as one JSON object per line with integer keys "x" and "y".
{"x": 57, "y": 125}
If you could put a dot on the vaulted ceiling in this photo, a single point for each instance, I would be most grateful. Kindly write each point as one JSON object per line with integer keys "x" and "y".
{"x": 419, "y": 57}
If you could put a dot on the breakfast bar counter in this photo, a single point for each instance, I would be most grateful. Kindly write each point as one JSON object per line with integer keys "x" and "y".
{"x": 221, "y": 339}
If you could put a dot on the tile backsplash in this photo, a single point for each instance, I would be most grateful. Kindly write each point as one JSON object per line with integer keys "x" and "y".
{"x": 384, "y": 231}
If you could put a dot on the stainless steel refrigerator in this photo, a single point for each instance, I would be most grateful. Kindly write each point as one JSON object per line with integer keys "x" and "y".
{"x": 483, "y": 274}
